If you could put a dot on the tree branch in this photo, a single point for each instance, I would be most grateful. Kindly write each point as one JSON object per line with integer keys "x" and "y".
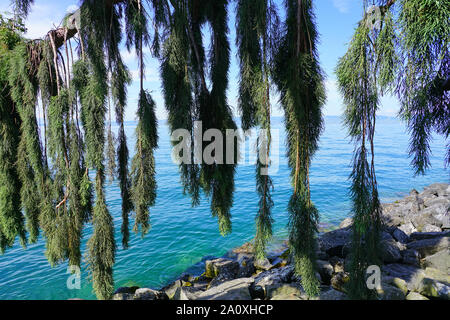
{"x": 59, "y": 34}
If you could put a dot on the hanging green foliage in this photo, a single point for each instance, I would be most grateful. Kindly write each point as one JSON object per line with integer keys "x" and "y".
{"x": 424, "y": 81}
{"x": 364, "y": 73}
{"x": 189, "y": 98}
{"x": 256, "y": 37}
{"x": 143, "y": 186}
{"x": 300, "y": 83}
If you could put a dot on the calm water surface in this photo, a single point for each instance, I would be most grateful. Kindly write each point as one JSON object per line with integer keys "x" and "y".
{"x": 181, "y": 235}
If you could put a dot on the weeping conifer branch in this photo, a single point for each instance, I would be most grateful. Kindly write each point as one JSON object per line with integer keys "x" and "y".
{"x": 300, "y": 82}
{"x": 255, "y": 25}
{"x": 366, "y": 70}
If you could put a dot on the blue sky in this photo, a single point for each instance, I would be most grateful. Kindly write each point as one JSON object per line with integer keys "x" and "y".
{"x": 336, "y": 20}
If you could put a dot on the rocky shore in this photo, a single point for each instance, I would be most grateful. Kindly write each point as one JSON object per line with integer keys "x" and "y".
{"x": 416, "y": 258}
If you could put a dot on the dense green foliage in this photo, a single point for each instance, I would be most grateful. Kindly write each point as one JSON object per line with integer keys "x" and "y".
{"x": 256, "y": 25}
{"x": 413, "y": 49}
{"x": 300, "y": 83}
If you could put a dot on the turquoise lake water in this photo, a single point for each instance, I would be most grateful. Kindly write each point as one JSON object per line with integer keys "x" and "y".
{"x": 181, "y": 235}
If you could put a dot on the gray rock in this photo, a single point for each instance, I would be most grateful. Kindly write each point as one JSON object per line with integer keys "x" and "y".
{"x": 407, "y": 228}
{"x": 128, "y": 290}
{"x": 285, "y": 291}
{"x": 237, "y": 289}
{"x": 411, "y": 257}
{"x": 416, "y": 296}
{"x": 263, "y": 264}
{"x": 347, "y": 222}
{"x": 428, "y": 247}
{"x": 186, "y": 293}
{"x": 424, "y": 219}
{"x": 390, "y": 252}
{"x": 246, "y": 267}
{"x": 428, "y": 235}
{"x": 402, "y": 271}
{"x": 146, "y": 294}
{"x": 227, "y": 268}
{"x": 122, "y": 296}
{"x": 171, "y": 289}
{"x": 333, "y": 242}
{"x": 325, "y": 270}
{"x": 432, "y": 288}
{"x": 338, "y": 264}
{"x": 271, "y": 279}
{"x": 400, "y": 236}
{"x": 431, "y": 228}
{"x": 339, "y": 280}
{"x": 332, "y": 294}
{"x": 437, "y": 275}
{"x": 389, "y": 292}
{"x": 440, "y": 261}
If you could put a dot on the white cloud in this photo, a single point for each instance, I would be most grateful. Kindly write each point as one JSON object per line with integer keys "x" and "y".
{"x": 72, "y": 8}
{"x": 342, "y": 5}
{"x": 42, "y": 18}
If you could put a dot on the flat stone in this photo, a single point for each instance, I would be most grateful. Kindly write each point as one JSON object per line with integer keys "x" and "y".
{"x": 333, "y": 242}
{"x": 186, "y": 293}
{"x": 263, "y": 264}
{"x": 347, "y": 222}
{"x": 339, "y": 280}
{"x": 411, "y": 257}
{"x": 332, "y": 294}
{"x": 407, "y": 228}
{"x": 388, "y": 292}
{"x": 228, "y": 268}
{"x": 285, "y": 290}
{"x": 390, "y": 252}
{"x": 428, "y": 247}
{"x": 146, "y": 294}
{"x": 325, "y": 270}
{"x": 428, "y": 235}
{"x": 402, "y": 271}
{"x": 440, "y": 260}
{"x": 400, "y": 236}
{"x": 237, "y": 289}
{"x": 416, "y": 296}
{"x": 432, "y": 288}
{"x": 438, "y": 275}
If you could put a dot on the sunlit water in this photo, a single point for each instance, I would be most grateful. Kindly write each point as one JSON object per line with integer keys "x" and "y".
{"x": 181, "y": 235}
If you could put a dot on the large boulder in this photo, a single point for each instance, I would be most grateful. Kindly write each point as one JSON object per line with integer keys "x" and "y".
{"x": 411, "y": 257}
{"x": 440, "y": 260}
{"x": 339, "y": 280}
{"x": 416, "y": 296}
{"x": 149, "y": 294}
{"x": 434, "y": 289}
{"x": 390, "y": 253}
{"x": 406, "y": 272}
{"x": 286, "y": 291}
{"x": 428, "y": 247}
{"x": 237, "y": 289}
{"x": 388, "y": 292}
{"x": 186, "y": 293}
{"x": 325, "y": 270}
{"x": 332, "y": 294}
{"x": 268, "y": 280}
{"x": 226, "y": 268}
{"x": 333, "y": 242}
{"x": 400, "y": 236}
{"x": 246, "y": 265}
{"x": 415, "y": 236}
